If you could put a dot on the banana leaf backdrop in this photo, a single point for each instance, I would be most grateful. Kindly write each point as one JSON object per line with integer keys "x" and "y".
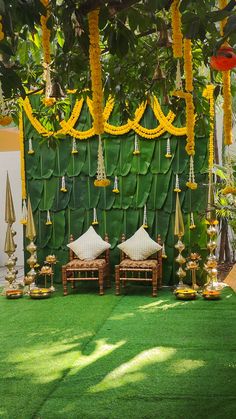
{"x": 148, "y": 178}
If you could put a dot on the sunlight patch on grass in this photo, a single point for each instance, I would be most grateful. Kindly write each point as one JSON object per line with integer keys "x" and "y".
{"x": 160, "y": 305}
{"x": 186, "y": 365}
{"x": 102, "y": 349}
{"x": 122, "y": 316}
{"x": 131, "y": 370}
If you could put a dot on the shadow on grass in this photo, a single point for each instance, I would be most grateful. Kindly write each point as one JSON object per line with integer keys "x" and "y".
{"x": 85, "y": 356}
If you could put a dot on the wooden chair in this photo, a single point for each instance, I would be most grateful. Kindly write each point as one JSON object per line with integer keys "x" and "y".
{"x": 86, "y": 270}
{"x": 149, "y": 270}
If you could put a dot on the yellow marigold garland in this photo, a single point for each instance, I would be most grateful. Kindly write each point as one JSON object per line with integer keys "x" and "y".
{"x": 1, "y": 30}
{"x": 22, "y": 152}
{"x": 190, "y": 120}
{"x": 188, "y": 66}
{"x": 227, "y": 108}
{"x": 177, "y": 36}
{"x": 96, "y": 71}
{"x": 222, "y": 5}
{"x": 46, "y": 33}
{"x": 208, "y": 93}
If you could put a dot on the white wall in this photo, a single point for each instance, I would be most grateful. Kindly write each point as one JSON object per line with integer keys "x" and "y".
{"x": 10, "y": 161}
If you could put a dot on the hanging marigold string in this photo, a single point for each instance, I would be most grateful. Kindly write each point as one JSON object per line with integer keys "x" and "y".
{"x": 22, "y": 153}
{"x": 46, "y": 33}
{"x": 222, "y": 5}
{"x": 190, "y": 120}
{"x": 208, "y": 93}
{"x": 227, "y": 108}
{"x": 96, "y": 71}
{"x": 1, "y": 29}
{"x": 177, "y": 36}
{"x": 188, "y": 66}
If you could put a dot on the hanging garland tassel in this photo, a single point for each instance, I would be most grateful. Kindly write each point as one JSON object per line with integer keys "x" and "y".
{"x": 63, "y": 184}
{"x": 24, "y": 213}
{"x": 95, "y": 219}
{"x": 48, "y": 220}
{"x": 188, "y": 65}
{"x": 177, "y": 188}
{"x": 168, "y": 154}
{"x": 163, "y": 251}
{"x": 74, "y": 147}
{"x": 191, "y": 184}
{"x": 178, "y": 81}
{"x": 136, "y": 146}
{"x": 96, "y": 71}
{"x": 115, "y": 187}
{"x": 31, "y": 150}
{"x": 101, "y": 172}
{"x": 192, "y": 225}
{"x": 177, "y": 36}
{"x": 145, "y": 223}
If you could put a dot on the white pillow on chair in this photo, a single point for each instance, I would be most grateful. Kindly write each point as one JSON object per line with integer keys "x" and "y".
{"x": 89, "y": 246}
{"x": 140, "y": 246}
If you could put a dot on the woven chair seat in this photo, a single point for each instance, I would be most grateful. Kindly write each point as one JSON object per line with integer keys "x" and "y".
{"x": 89, "y": 264}
{"x": 138, "y": 264}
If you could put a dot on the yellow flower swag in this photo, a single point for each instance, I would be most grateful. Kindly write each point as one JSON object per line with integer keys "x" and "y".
{"x": 188, "y": 66}
{"x": 1, "y": 30}
{"x": 46, "y": 33}
{"x": 165, "y": 122}
{"x": 190, "y": 120}
{"x": 227, "y": 108}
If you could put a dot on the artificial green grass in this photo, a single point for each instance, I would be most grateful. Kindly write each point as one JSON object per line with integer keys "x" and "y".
{"x": 133, "y": 356}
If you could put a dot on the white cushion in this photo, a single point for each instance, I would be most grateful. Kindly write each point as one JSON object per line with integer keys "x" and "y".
{"x": 140, "y": 246}
{"x": 89, "y": 246}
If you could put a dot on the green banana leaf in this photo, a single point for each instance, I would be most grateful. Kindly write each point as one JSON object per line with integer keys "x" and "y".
{"x": 76, "y": 161}
{"x": 160, "y": 188}
{"x": 46, "y": 165}
{"x": 114, "y": 226}
{"x": 63, "y": 155}
{"x": 144, "y": 183}
{"x": 62, "y": 199}
{"x": 74, "y": 223}
{"x": 90, "y": 164}
{"x": 126, "y": 154}
{"x": 35, "y": 190}
{"x": 50, "y": 187}
{"x": 58, "y": 230}
{"x": 111, "y": 147}
{"x": 43, "y": 231}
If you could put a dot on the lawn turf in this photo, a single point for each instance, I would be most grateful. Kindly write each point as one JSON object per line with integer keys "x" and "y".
{"x": 133, "y": 356}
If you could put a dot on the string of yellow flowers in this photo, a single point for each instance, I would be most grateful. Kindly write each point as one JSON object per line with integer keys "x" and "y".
{"x": 190, "y": 120}
{"x": 1, "y": 29}
{"x": 96, "y": 71}
{"x": 208, "y": 93}
{"x": 22, "y": 152}
{"x": 177, "y": 36}
{"x": 222, "y": 5}
{"x": 188, "y": 66}
{"x": 46, "y": 33}
{"x": 227, "y": 108}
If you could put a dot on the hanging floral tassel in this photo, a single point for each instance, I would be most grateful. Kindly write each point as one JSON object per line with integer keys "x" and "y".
{"x": 95, "y": 220}
{"x": 63, "y": 184}
{"x": 168, "y": 154}
{"x": 192, "y": 225}
{"x": 101, "y": 172}
{"x": 31, "y": 150}
{"x": 136, "y": 146}
{"x": 178, "y": 81}
{"x": 74, "y": 147}
{"x": 163, "y": 254}
{"x": 145, "y": 224}
{"x": 24, "y": 213}
{"x": 177, "y": 188}
{"x": 48, "y": 221}
{"x": 115, "y": 187}
{"x": 177, "y": 36}
{"x": 191, "y": 184}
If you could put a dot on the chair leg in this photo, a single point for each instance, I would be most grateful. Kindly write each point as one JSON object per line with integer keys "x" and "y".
{"x": 64, "y": 280}
{"x": 117, "y": 279}
{"x": 154, "y": 282}
{"x": 100, "y": 281}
